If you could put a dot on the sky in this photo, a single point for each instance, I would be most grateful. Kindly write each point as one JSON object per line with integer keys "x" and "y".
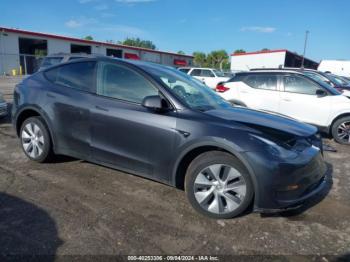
{"x": 194, "y": 25}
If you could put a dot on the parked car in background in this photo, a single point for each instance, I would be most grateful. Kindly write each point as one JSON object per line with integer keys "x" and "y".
{"x": 157, "y": 122}
{"x": 337, "y": 67}
{"x": 335, "y": 81}
{"x": 210, "y": 77}
{"x": 58, "y": 58}
{"x": 3, "y": 106}
{"x": 293, "y": 94}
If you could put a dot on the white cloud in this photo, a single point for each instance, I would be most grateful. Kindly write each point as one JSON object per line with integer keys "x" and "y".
{"x": 73, "y": 23}
{"x": 80, "y": 22}
{"x": 101, "y": 7}
{"x": 107, "y": 15}
{"x": 85, "y": 1}
{"x": 259, "y": 29}
{"x": 134, "y": 1}
{"x": 94, "y": 25}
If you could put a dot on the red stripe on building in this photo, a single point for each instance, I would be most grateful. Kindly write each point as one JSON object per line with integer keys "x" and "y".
{"x": 180, "y": 62}
{"x": 131, "y": 56}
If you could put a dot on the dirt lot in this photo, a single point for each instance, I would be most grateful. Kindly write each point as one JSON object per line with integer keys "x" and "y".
{"x": 73, "y": 207}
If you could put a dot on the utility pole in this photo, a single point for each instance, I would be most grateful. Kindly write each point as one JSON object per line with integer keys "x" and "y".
{"x": 305, "y": 44}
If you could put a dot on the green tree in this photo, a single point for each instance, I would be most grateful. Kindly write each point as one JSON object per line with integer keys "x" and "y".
{"x": 89, "y": 37}
{"x": 138, "y": 43}
{"x": 217, "y": 58}
{"x": 181, "y": 52}
{"x": 239, "y": 51}
{"x": 199, "y": 59}
{"x": 265, "y": 49}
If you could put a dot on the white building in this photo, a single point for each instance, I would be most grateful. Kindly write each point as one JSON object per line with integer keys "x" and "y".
{"x": 21, "y": 49}
{"x": 269, "y": 59}
{"x": 337, "y": 67}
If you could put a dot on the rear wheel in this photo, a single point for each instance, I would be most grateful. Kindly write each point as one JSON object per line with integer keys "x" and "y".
{"x": 218, "y": 185}
{"x": 35, "y": 139}
{"x": 341, "y": 130}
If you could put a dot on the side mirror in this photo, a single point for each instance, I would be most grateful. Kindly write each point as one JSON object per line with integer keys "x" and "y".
{"x": 153, "y": 102}
{"x": 321, "y": 93}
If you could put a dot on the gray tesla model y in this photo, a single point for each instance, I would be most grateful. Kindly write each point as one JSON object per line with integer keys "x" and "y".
{"x": 156, "y": 122}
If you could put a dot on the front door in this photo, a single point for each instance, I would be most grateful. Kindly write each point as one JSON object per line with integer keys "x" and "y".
{"x": 299, "y": 100}
{"x": 124, "y": 133}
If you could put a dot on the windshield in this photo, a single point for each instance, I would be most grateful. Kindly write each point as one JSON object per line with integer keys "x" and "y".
{"x": 219, "y": 73}
{"x": 190, "y": 91}
{"x": 339, "y": 80}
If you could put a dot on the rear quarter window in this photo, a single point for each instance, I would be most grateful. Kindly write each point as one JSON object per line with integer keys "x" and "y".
{"x": 261, "y": 81}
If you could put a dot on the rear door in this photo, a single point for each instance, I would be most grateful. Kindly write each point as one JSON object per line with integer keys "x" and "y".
{"x": 299, "y": 100}
{"x": 68, "y": 101}
{"x": 260, "y": 91}
{"x": 124, "y": 133}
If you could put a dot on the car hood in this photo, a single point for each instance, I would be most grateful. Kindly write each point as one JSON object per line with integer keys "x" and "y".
{"x": 260, "y": 118}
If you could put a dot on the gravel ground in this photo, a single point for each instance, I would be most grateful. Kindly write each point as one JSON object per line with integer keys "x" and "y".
{"x": 72, "y": 207}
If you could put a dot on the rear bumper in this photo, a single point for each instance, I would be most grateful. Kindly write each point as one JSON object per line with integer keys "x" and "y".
{"x": 3, "y": 109}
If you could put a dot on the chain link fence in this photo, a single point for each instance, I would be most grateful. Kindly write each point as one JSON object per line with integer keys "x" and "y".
{"x": 14, "y": 64}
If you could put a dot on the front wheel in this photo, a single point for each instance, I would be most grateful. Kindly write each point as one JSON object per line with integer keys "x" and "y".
{"x": 341, "y": 130}
{"x": 218, "y": 185}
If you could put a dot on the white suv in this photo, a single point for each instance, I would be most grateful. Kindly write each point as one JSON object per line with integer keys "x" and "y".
{"x": 292, "y": 94}
{"x": 210, "y": 77}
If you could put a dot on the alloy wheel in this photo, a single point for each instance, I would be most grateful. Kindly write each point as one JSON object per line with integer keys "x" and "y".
{"x": 343, "y": 132}
{"x": 32, "y": 140}
{"x": 220, "y": 188}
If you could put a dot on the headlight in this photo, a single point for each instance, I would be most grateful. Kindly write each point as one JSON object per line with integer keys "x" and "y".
{"x": 275, "y": 149}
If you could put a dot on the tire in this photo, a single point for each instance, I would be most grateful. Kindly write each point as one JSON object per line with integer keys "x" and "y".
{"x": 206, "y": 185}
{"x": 35, "y": 140}
{"x": 341, "y": 130}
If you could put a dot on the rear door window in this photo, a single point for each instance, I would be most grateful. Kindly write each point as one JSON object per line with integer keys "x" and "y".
{"x": 262, "y": 81}
{"x": 80, "y": 76}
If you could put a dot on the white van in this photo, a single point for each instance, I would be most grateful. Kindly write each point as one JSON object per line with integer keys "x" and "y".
{"x": 337, "y": 67}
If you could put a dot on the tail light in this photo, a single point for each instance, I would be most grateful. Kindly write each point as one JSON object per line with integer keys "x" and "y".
{"x": 221, "y": 88}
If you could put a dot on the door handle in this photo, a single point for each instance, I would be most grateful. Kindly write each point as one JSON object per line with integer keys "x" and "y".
{"x": 101, "y": 108}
